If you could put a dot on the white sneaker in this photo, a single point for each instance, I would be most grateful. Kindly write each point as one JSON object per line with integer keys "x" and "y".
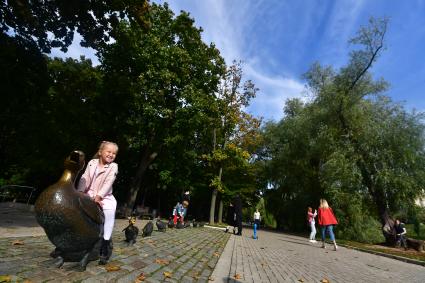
{"x": 313, "y": 241}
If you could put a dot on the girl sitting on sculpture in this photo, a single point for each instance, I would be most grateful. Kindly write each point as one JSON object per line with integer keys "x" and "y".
{"x": 97, "y": 182}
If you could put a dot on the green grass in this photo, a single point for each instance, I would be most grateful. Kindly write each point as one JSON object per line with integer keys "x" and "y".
{"x": 387, "y": 250}
{"x": 412, "y": 234}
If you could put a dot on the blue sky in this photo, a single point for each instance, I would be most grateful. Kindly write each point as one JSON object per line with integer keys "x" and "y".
{"x": 278, "y": 40}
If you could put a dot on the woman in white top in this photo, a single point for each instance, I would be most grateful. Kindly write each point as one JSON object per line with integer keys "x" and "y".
{"x": 257, "y": 218}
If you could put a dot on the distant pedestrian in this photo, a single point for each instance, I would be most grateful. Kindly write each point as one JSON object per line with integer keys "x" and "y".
{"x": 400, "y": 234}
{"x": 237, "y": 203}
{"x": 230, "y": 218}
{"x": 312, "y": 224}
{"x": 257, "y": 218}
{"x": 327, "y": 220}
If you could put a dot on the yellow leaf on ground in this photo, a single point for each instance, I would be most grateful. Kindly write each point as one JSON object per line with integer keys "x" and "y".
{"x": 140, "y": 278}
{"x": 112, "y": 267}
{"x": 211, "y": 278}
{"x": 17, "y": 242}
{"x": 325, "y": 280}
{"x": 167, "y": 274}
{"x": 5, "y": 278}
{"x": 216, "y": 254}
{"x": 196, "y": 275}
{"x": 27, "y": 281}
{"x": 161, "y": 261}
{"x": 301, "y": 280}
{"x": 237, "y": 276}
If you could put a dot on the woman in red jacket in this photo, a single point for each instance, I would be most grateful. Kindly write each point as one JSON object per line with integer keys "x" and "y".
{"x": 327, "y": 220}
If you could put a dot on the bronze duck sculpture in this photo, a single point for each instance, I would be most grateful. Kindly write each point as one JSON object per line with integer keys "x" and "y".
{"x": 73, "y": 222}
{"x": 131, "y": 231}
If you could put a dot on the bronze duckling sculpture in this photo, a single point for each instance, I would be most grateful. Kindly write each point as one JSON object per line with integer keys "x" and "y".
{"x": 162, "y": 226}
{"x": 147, "y": 230}
{"x": 73, "y": 222}
{"x": 131, "y": 231}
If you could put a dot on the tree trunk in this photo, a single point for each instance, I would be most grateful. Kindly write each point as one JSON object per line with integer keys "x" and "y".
{"x": 387, "y": 227}
{"x": 147, "y": 158}
{"x": 415, "y": 244}
{"x": 212, "y": 208}
{"x": 220, "y": 212}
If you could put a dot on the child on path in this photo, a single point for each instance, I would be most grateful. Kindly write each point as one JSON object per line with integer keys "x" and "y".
{"x": 179, "y": 212}
{"x": 326, "y": 221}
{"x": 312, "y": 223}
{"x": 97, "y": 182}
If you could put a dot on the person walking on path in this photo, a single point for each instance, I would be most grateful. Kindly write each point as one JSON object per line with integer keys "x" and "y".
{"x": 97, "y": 182}
{"x": 237, "y": 203}
{"x": 400, "y": 234}
{"x": 327, "y": 220}
{"x": 230, "y": 218}
{"x": 257, "y": 218}
{"x": 312, "y": 224}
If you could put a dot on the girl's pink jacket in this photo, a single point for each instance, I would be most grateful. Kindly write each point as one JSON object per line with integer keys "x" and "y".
{"x": 326, "y": 217}
{"x": 101, "y": 184}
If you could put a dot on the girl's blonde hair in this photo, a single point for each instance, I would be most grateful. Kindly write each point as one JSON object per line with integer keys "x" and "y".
{"x": 102, "y": 146}
{"x": 323, "y": 203}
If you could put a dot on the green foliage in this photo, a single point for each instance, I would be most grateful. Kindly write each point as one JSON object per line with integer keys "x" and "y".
{"x": 267, "y": 218}
{"x": 216, "y": 184}
{"x": 348, "y": 144}
{"x": 52, "y": 23}
{"x": 356, "y": 221}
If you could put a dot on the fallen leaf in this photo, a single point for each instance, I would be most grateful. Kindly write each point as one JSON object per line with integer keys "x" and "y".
{"x": 27, "y": 281}
{"x": 237, "y": 276}
{"x": 17, "y": 242}
{"x": 216, "y": 254}
{"x": 5, "y": 278}
{"x": 325, "y": 280}
{"x": 196, "y": 275}
{"x": 301, "y": 280}
{"x": 140, "y": 278}
{"x": 112, "y": 267}
{"x": 167, "y": 274}
{"x": 161, "y": 261}
{"x": 211, "y": 278}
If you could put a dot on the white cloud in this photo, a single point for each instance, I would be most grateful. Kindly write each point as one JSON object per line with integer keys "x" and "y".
{"x": 229, "y": 26}
{"x": 274, "y": 91}
{"x": 342, "y": 26}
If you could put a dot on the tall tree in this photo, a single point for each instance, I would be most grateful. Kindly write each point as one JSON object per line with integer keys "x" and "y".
{"x": 160, "y": 84}
{"x": 233, "y": 95}
{"x": 343, "y": 144}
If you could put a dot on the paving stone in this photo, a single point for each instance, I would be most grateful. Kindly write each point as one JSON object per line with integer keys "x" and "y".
{"x": 277, "y": 257}
{"x": 184, "y": 250}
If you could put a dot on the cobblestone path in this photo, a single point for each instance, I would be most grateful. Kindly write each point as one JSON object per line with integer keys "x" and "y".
{"x": 277, "y": 257}
{"x": 186, "y": 255}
